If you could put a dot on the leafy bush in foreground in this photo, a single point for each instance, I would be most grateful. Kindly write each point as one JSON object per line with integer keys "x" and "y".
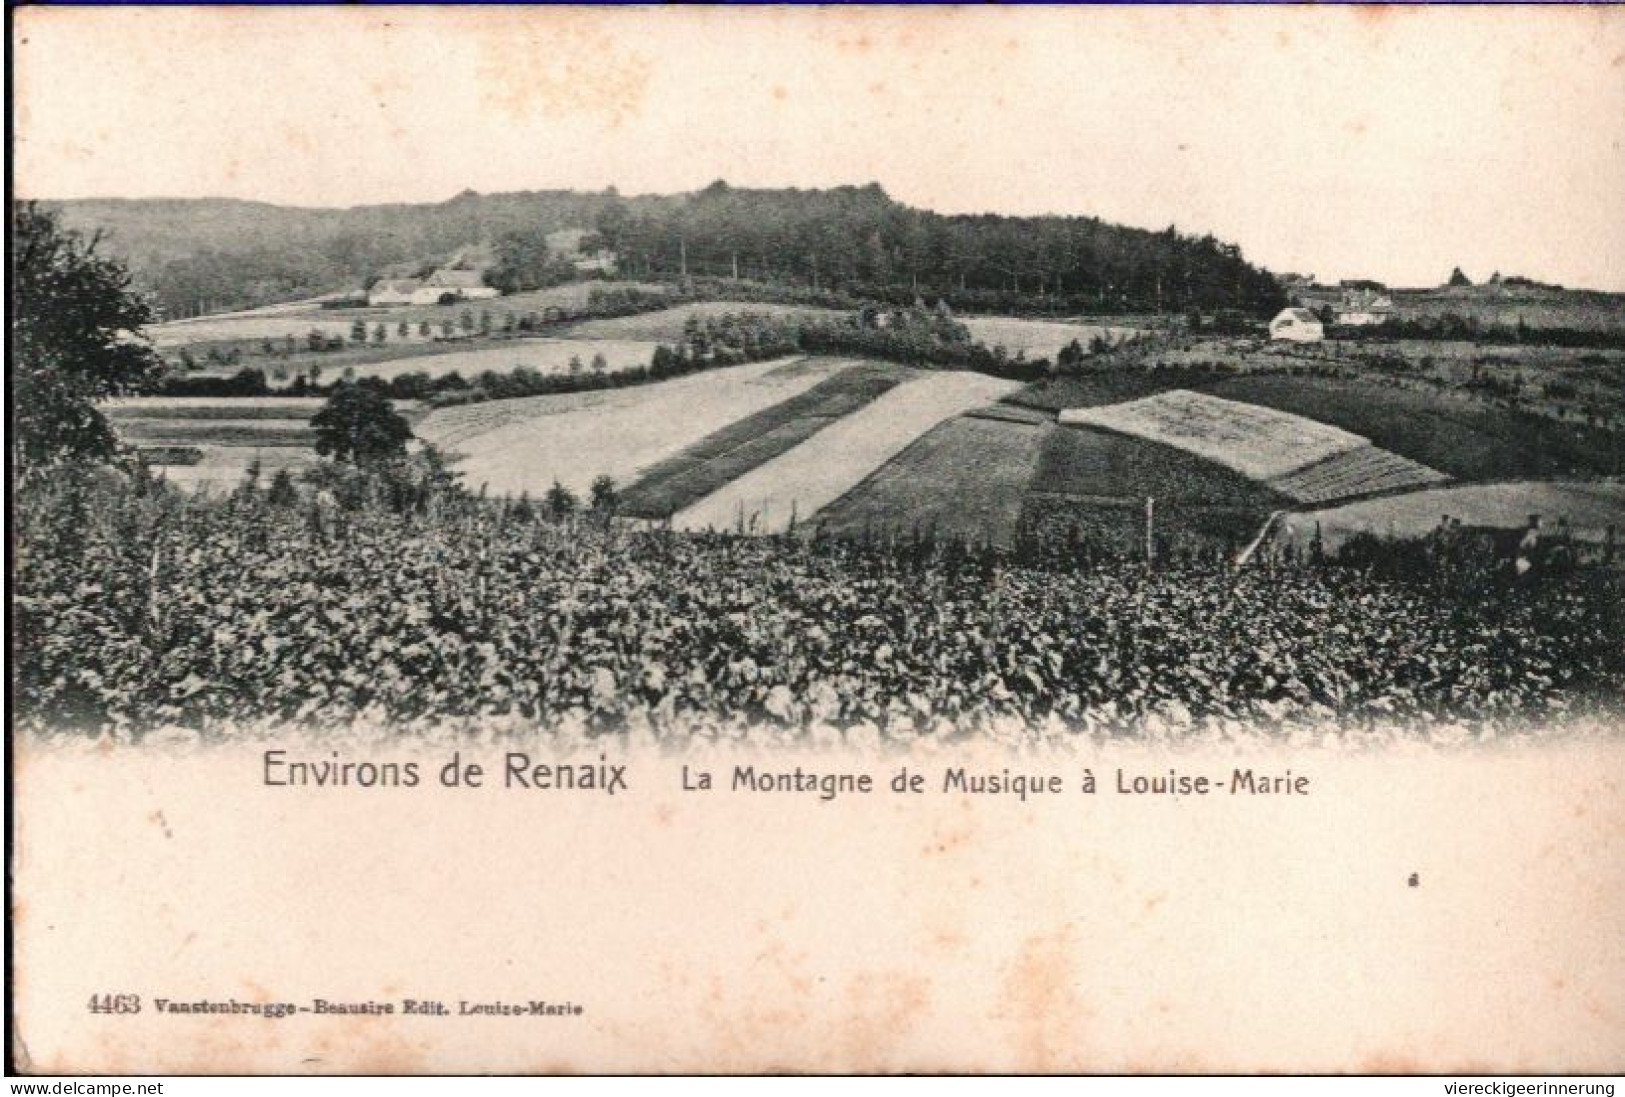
{"x": 137, "y": 608}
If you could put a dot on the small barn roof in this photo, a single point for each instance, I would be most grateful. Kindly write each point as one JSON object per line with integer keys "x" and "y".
{"x": 1302, "y": 316}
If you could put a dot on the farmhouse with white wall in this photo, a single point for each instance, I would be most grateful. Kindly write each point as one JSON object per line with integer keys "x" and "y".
{"x": 464, "y": 285}
{"x": 1298, "y": 326}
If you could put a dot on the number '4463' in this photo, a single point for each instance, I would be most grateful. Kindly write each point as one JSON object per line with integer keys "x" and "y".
{"x": 115, "y": 1003}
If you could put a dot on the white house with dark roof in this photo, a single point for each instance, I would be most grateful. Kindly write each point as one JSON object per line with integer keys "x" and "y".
{"x": 1297, "y": 325}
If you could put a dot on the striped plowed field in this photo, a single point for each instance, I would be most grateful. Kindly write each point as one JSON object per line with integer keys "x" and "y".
{"x": 1367, "y": 470}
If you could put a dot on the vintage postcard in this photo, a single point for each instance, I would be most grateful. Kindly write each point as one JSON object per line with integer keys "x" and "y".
{"x": 817, "y": 539}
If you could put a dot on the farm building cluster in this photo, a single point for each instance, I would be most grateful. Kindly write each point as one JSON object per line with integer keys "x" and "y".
{"x": 463, "y": 277}
{"x": 456, "y": 284}
{"x": 1315, "y": 307}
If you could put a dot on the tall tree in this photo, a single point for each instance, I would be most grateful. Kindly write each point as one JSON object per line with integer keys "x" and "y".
{"x": 359, "y": 424}
{"x": 524, "y": 262}
{"x": 75, "y": 341}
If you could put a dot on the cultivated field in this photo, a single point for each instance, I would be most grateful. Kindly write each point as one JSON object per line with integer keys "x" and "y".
{"x": 729, "y": 453}
{"x": 1461, "y": 436}
{"x": 221, "y": 432}
{"x": 1096, "y": 388}
{"x": 238, "y": 424}
{"x": 470, "y": 620}
{"x": 571, "y": 297}
{"x": 277, "y": 328}
{"x": 1507, "y": 306}
{"x": 524, "y": 445}
{"x": 1365, "y": 470}
{"x": 1035, "y": 338}
{"x": 1582, "y": 387}
{"x": 1590, "y": 508}
{"x": 223, "y": 467}
{"x": 283, "y": 308}
{"x": 867, "y": 448}
{"x": 1096, "y": 464}
{"x": 227, "y": 434}
{"x": 964, "y": 479}
{"x": 297, "y": 319}
{"x": 1252, "y": 440}
{"x": 552, "y": 356}
{"x": 1096, "y": 483}
{"x": 801, "y": 482}
{"x": 666, "y": 326}
{"x": 212, "y": 407}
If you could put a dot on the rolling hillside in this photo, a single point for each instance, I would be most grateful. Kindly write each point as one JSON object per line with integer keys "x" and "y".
{"x": 213, "y": 255}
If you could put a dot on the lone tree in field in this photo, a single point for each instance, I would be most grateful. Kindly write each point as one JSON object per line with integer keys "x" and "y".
{"x": 604, "y": 496}
{"x": 72, "y": 317}
{"x": 561, "y": 501}
{"x": 359, "y": 424}
{"x": 1457, "y": 278}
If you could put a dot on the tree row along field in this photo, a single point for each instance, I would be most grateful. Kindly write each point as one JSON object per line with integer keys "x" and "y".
{"x": 667, "y": 325}
{"x": 547, "y": 356}
{"x": 298, "y": 321}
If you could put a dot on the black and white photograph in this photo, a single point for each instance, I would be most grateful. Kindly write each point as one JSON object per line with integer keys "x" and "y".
{"x": 844, "y": 539}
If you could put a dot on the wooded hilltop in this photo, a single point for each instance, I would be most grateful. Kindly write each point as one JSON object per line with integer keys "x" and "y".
{"x": 196, "y": 255}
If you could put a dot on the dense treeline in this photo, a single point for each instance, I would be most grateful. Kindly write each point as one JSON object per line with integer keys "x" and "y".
{"x": 926, "y": 338}
{"x": 212, "y": 255}
{"x": 855, "y": 242}
{"x": 859, "y": 240}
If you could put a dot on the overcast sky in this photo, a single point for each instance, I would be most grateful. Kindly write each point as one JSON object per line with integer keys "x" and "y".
{"x": 1379, "y": 142}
